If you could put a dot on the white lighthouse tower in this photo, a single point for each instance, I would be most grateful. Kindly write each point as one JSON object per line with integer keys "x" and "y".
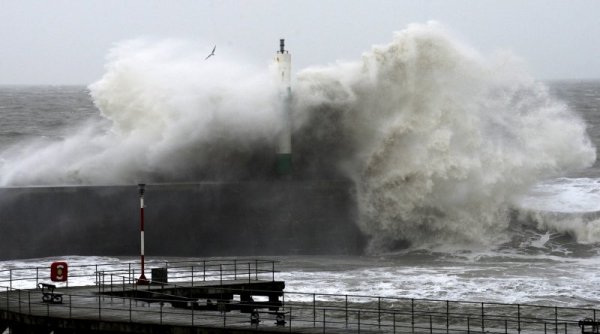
{"x": 283, "y": 63}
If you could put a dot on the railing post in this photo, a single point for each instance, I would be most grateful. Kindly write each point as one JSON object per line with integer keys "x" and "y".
{"x": 249, "y": 276}
{"x": 193, "y": 306}
{"x": 468, "y": 325}
{"x": 505, "y": 326}
{"x": 482, "y": 319}
{"x": 314, "y": 311}
{"x": 358, "y": 321}
{"x": 70, "y": 307}
{"x": 204, "y": 270}
{"x": 256, "y": 269}
{"x": 324, "y": 320}
{"x": 235, "y": 269}
{"x": 412, "y": 315}
{"x": 556, "y": 320}
{"x": 19, "y": 299}
{"x": 192, "y": 276}
{"x": 10, "y": 278}
{"x": 394, "y": 322}
{"x": 161, "y": 311}
{"x": 379, "y": 312}
{"x": 346, "y": 306}
{"x": 447, "y": 316}
{"x": 430, "y": 324}
{"x": 29, "y": 301}
{"x": 36, "y": 276}
{"x": 221, "y": 274}
{"x": 518, "y": 318}
{"x": 273, "y": 271}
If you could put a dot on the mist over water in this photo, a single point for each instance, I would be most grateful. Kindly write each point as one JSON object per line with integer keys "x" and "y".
{"x": 439, "y": 139}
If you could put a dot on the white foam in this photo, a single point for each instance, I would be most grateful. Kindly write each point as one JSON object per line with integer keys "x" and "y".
{"x": 445, "y": 138}
{"x": 568, "y": 195}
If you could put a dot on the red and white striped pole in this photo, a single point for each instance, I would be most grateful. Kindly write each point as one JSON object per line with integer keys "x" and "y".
{"x": 142, "y": 279}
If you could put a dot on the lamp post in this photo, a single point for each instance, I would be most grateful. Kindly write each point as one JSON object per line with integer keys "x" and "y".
{"x": 142, "y": 279}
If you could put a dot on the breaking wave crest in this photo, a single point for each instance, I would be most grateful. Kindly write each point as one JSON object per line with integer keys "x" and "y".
{"x": 442, "y": 139}
{"x": 437, "y": 138}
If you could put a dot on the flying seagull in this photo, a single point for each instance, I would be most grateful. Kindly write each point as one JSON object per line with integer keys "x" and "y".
{"x": 212, "y": 53}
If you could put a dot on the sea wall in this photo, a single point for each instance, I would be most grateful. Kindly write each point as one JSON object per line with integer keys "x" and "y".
{"x": 192, "y": 219}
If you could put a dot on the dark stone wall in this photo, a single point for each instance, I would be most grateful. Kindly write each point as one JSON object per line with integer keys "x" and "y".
{"x": 194, "y": 219}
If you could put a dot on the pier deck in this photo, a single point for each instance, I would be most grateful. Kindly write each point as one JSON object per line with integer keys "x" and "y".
{"x": 243, "y": 297}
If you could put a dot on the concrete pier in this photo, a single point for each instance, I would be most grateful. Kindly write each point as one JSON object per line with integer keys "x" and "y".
{"x": 191, "y": 219}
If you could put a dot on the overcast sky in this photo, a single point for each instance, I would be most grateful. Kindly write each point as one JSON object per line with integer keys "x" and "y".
{"x": 66, "y": 41}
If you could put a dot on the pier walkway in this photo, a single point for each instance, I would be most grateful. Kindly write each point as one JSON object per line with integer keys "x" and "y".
{"x": 242, "y": 296}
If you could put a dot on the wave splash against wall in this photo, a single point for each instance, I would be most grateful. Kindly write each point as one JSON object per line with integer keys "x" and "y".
{"x": 438, "y": 138}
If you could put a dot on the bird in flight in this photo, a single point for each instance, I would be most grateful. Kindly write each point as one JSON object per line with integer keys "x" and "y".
{"x": 212, "y": 53}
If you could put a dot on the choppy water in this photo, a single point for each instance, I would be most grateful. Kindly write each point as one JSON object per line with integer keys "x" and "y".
{"x": 439, "y": 179}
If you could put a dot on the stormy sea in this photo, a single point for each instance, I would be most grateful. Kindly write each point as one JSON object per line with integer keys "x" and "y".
{"x": 474, "y": 180}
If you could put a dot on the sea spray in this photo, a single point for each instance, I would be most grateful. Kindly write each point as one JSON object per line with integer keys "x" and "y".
{"x": 438, "y": 138}
{"x": 441, "y": 138}
{"x": 172, "y": 117}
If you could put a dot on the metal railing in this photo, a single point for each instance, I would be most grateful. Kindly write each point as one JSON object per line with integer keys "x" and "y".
{"x": 192, "y": 271}
{"x": 353, "y": 313}
{"x": 322, "y": 312}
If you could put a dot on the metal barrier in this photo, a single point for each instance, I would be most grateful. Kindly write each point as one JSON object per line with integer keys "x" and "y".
{"x": 325, "y": 312}
{"x": 352, "y": 313}
{"x": 194, "y": 271}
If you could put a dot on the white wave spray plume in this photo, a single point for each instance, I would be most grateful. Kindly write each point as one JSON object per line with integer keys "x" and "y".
{"x": 437, "y": 138}
{"x": 442, "y": 138}
{"x": 169, "y": 113}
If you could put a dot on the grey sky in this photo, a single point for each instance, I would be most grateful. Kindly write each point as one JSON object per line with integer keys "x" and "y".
{"x": 66, "y": 41}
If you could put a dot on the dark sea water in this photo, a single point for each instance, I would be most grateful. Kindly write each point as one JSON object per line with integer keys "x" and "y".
{"x": 544, "y": 263}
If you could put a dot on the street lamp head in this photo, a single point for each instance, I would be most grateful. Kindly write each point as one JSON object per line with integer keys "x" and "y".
{"x": 141, "y": 188}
